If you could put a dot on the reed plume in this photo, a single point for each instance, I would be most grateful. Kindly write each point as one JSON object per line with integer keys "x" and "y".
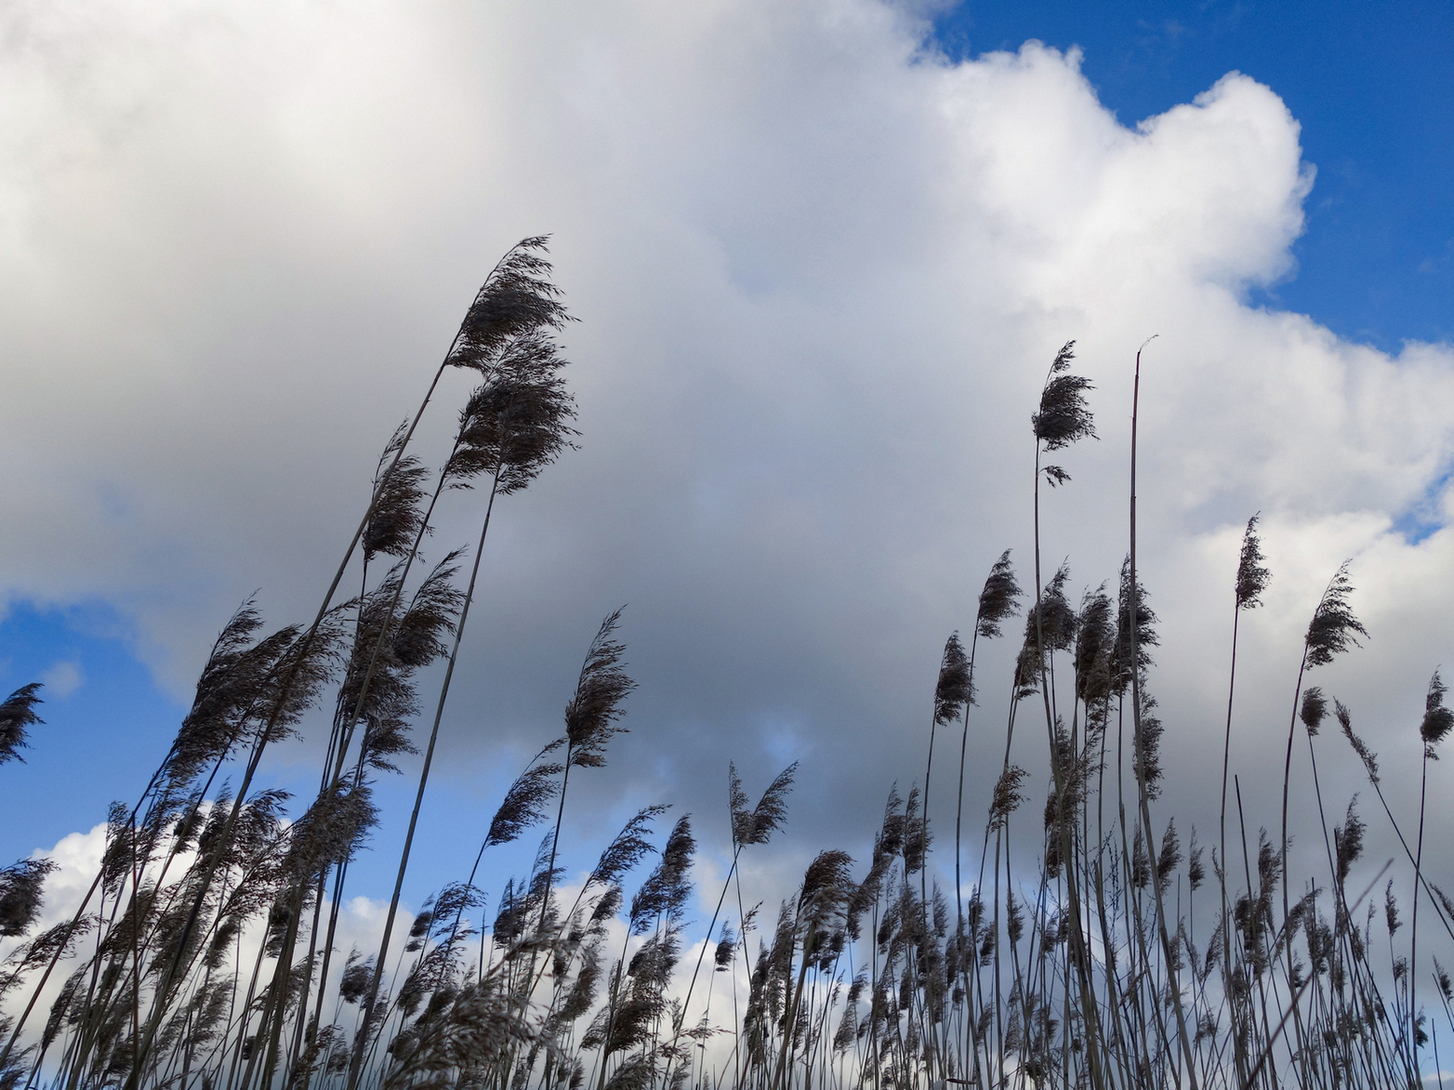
{"x": 1334, "y": 629}
{"x": 525, "y": 803}
{"x": 16, "y": 714}
{"x": 20, "y": 895}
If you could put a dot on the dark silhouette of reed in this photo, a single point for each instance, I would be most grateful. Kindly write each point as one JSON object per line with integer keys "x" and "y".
{"x": 204, "y": 954}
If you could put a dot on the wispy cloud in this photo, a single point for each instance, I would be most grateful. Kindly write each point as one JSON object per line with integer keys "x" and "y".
{"x": 63, "y": 679}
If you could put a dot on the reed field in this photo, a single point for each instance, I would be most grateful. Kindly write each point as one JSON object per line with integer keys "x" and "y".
{"x": 1122, "y": 953}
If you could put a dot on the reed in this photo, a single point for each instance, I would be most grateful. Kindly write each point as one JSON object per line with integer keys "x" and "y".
{"x": 1090, "y": 955}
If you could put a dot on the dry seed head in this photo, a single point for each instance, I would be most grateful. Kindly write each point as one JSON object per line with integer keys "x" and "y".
{"x": 591, "y": 716}
{"x": 1052, "y": 620}
{"x": 1334, "y": 628}
{"x": 1437, "y": 718}
{"x": 17, "y": 713}
{"x": 20, "y": 895}
{"x": 955, "y": 688}
{"x": 1064, "y": 416}
{"x": 757, "y": 825}
{"x": 517, "y": 297}
{"x": 1195, "y": 872}
{"x": 726, "y": 948}
{"x": 1140, "y": 861}
{"x": 395, "y": 519}
{"x": 1007, "y": 796}
{"x": 999, "y": 600}
{"x": 663, "y": 896}
{"x": 1348, "y": 840}
{"x": 827, "y": 887}
{"x": 517, "y": 421}
{"x": 1147, "y": 765}
{"x": 1366, "y": 755}
{"x": 1095, "y": 641}
{"x": 1144, "y": 633}
{"x": 1169, "y": 856}
{"x": 525, "y": 803}
{"x": 1314, "y": 709}
{"x": 628, "y": 847}
{"x": 1252, "y": 576}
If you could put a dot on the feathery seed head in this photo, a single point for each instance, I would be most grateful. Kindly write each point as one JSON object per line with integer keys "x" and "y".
{"x": 726, "y": 948}
{"x": 1052, "y": 620}
{"x": 1252, "y": 576}
{"x": 1007, "y": 796}
{"x": 628, "y": 847}
{"x": 1144, "y": 635}
{"x": 592, "y": 714}
{"x": 1333, "y": 628}
{"x": 1169, "y": 857}
{"x": 1348, "y": 840}
{"x": 955, "y": 688}
{"x": 1366, "y": 755}
{"x": 357, "y": 977}
{"x": 1196, "y": 873}
{"x": 394, "y": 520}
{"x": 827, "y": 887}
{"x": 525, "y": 803}
{"x": 1095, "y": 644}
{"x": 517, "y": 422}
{"x": 1314, "y": 709}
{"x": 999, "y": 600}
{"x": 20, "y": 895}
{"x": 915, "y": 844}
{"x": 516, "y": 298}
{"x": 664, "y": 894}
{"x": 1437, "y": 718}
{"x": 1064, "y": 416}
{"x": 17, "y": 713}
{"x": 1147, "y": 764}
{"x": 757, "y": 825}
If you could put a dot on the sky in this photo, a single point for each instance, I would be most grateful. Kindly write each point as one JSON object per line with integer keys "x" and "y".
{"x": 821, "y": 255}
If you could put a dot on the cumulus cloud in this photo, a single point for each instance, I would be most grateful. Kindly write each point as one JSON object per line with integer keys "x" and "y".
{"x": 821, "y": 272}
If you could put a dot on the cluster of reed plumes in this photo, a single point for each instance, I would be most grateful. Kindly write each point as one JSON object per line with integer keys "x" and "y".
{"x": 205, "y": 954}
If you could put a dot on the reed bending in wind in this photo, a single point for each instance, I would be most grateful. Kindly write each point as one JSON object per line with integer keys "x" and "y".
{"x": 196, "y": 964}
{"x": 515, "y": 301}
{"x": 1333, "y": 630}
{"x": 513, "y": 426}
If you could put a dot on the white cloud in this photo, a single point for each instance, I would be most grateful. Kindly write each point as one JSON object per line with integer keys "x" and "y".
{"x": 820, "y": 271}
{"x": 63, "y": 679}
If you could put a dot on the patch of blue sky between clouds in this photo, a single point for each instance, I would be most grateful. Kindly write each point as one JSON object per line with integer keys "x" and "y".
{"x": 106, "y": 723}
{"x": 1428, "y": 514}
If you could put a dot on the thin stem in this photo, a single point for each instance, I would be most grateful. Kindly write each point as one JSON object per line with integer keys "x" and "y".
{"x": 356, "y": 1064}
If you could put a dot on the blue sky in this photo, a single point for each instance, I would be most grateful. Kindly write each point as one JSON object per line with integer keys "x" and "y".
{"x": 211, "y": 338}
